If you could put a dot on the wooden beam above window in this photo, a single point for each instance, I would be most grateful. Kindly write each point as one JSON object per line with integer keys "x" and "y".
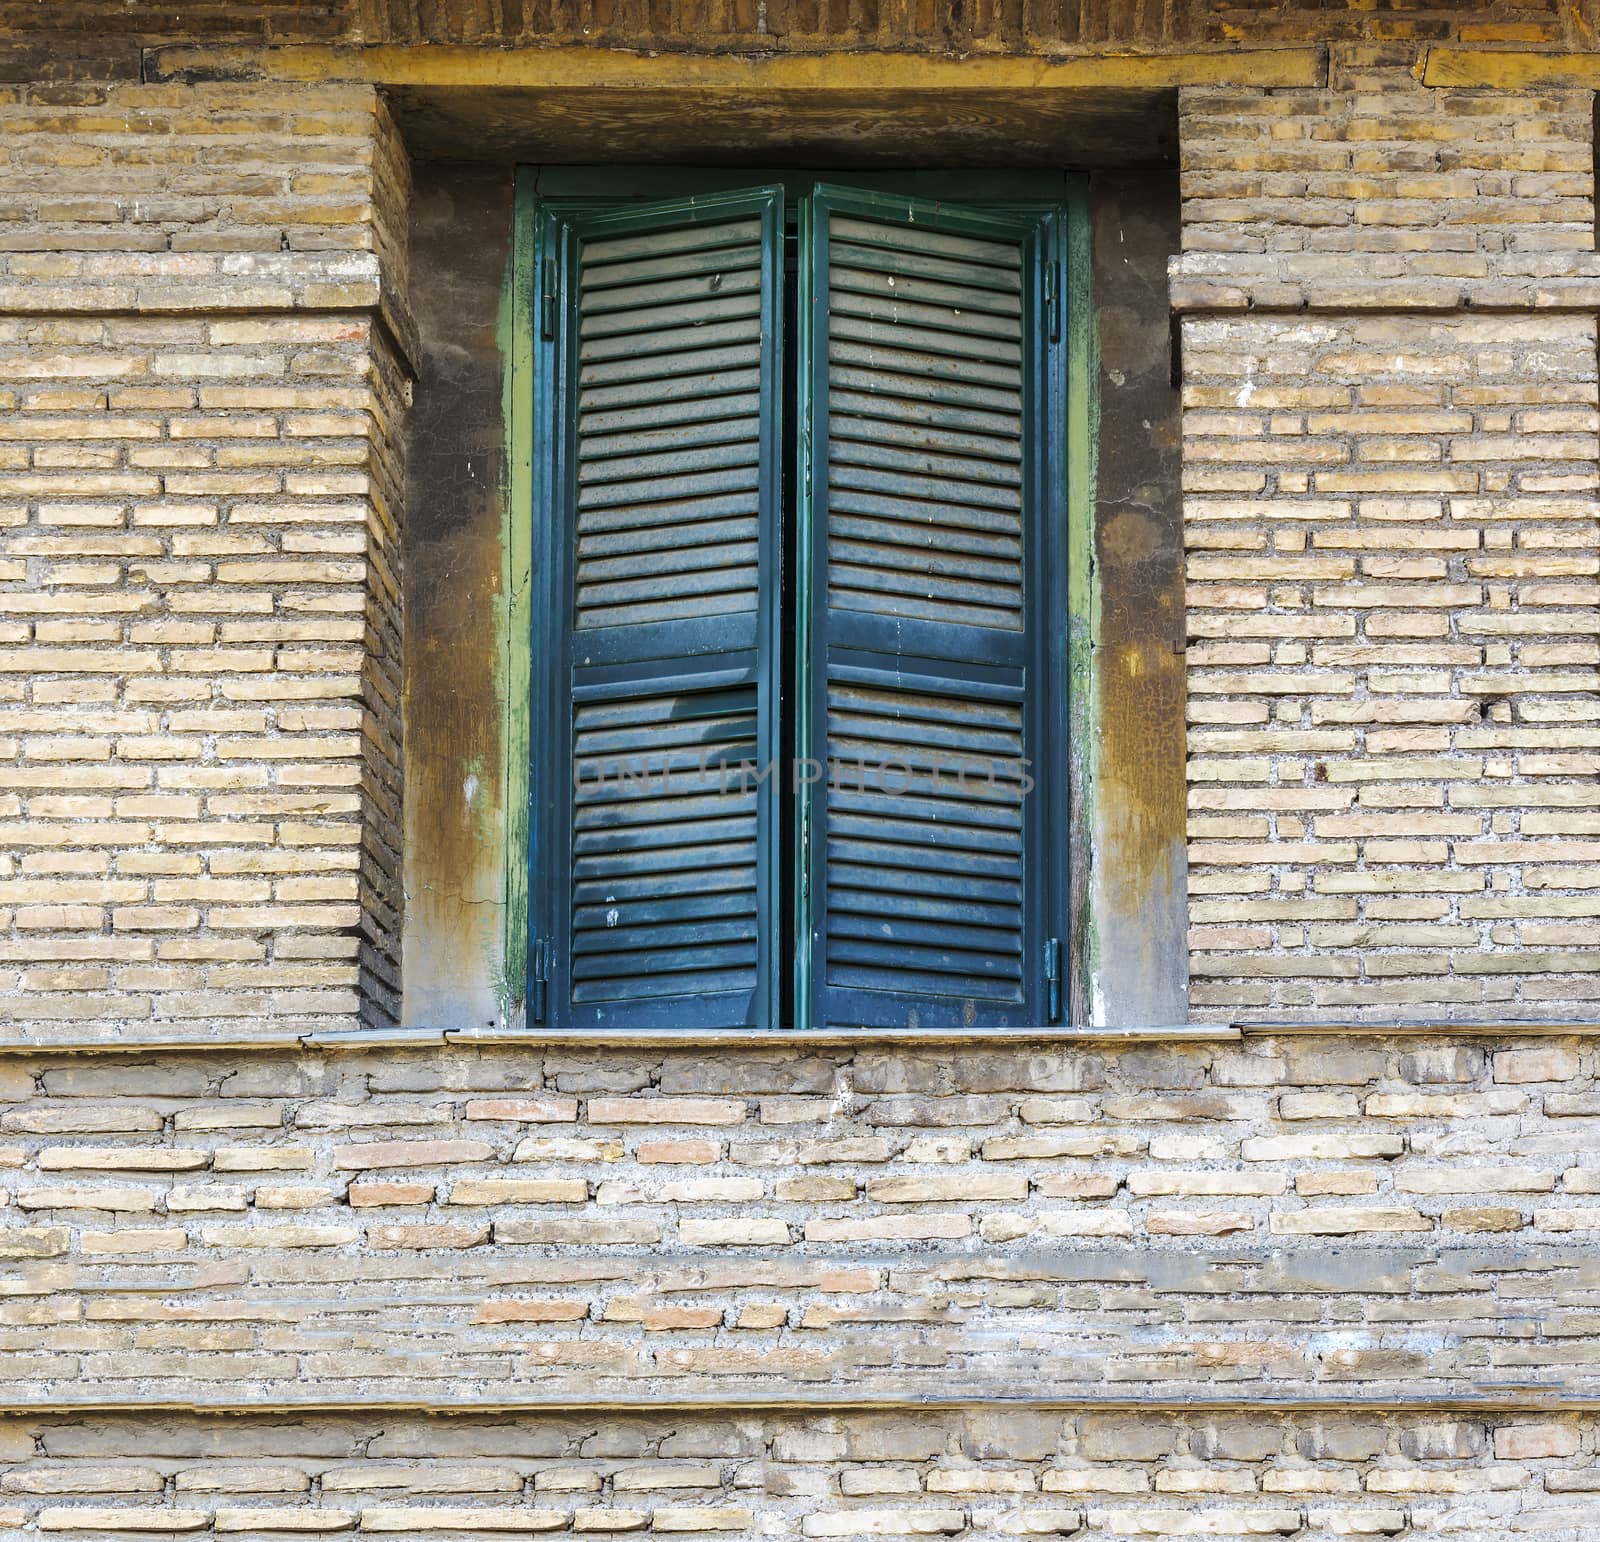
{"x": 860, "y": 108}
{"x": 454, "y": 67}
{"x": 1509, "y": 69}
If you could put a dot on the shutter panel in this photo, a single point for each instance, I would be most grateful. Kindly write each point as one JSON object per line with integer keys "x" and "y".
{"x": 930, "y": 877}
{"x": 657, "y": 843}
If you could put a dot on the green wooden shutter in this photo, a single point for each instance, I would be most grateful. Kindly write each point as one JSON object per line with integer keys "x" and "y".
{"x": 653, "y": 849}
{"x": 933, "y": 532}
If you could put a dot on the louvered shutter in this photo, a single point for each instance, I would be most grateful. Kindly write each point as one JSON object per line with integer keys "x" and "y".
{"x": 653, "y": 838}
{"x": 931, "y": 880}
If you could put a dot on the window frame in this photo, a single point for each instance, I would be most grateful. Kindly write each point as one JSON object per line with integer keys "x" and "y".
{"x": 530, "y": 402}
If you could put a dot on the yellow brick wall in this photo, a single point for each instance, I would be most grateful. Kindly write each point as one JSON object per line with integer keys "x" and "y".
{"x": 1382, "y": 166}
{"x": 1393, "y": 551}
{"x": 617, "y": 1262}
{"x": 199, "y": 548}
{"x": 1392, "y": 564}
{"x": 1042, "y": 25}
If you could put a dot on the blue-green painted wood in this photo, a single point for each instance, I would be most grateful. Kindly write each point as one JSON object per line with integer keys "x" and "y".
{"x": 656, "y": 543}
{"x": 933, "y": 571}
{"x": 932, "y": 559}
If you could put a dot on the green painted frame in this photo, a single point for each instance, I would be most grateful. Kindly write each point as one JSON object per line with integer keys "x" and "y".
{"x": 1083, "y": 594}
{"x": 517, "y": 328}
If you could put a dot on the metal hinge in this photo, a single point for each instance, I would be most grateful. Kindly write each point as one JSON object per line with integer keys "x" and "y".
{"x": 1052, "y": 301}
{"x": 547, "y": 299}
{"x": 1052, "y": 979}
{"x": 805, "y": 851}
{"x": 539, "y": 977}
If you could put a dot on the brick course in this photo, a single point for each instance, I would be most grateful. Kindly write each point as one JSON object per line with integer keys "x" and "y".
{"x": 76, "y": 39}
{"x": 981, "y": 1473}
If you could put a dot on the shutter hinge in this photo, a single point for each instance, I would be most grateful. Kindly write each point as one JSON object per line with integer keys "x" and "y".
{"x": 547, "y": 299}
{"x": 1052, "y": 301}
{"x": 1052, "y": 979}
{"x": 805, "y": 851}
{"x": 539, "y": 977}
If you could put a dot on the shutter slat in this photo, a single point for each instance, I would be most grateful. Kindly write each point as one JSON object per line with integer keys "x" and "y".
{"x": 896, "y": 372}
{"x": 948, "y": 270}
{"x": 611, "y": 494}
{"x": 999, "y": 312}
{"x": 853, "y": 500}
{"x": 733, "y": 274}
{"x": 649, "y": 469}
{"x": 728, "y": 393}
{"x": 661, "y": 910}
{"x": 935, "y": 556}
{"x": 876, "y": 303}
{"x": 665, "y": 537}
{"x": 881, "y": 414}
{"x": 601, "y": 256}
{"x": 996, "y": 358}
{"x": 923, "y": 531}
{"x": 739, "y": 336}
{"x": 853, "y": 471}
{"x": 669, "y": 514}
{"x": 656, "y": 400}
{"x": 714, "y": 318}
{"x": 664, "y": 885}
{"x": 711, "y": 370}
{"x": 870, "y": 232}
{"x": 716, "y": 420}
{"x": 926, "y": 535}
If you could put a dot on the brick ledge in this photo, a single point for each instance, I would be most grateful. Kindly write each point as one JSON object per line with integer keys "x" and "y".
{"x": 1541, "y": 1398}
{"x": 785, "y": 1038}
{"x": 1231, "y": 282}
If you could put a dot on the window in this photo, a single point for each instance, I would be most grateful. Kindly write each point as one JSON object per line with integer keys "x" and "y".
{"x": 798, "y": 672}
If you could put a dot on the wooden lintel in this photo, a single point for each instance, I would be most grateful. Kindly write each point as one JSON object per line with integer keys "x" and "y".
{"x": 1493, "y": 69}
{"x": 443, "y": 67}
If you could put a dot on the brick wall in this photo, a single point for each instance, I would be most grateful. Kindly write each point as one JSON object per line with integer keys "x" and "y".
{"x": 1392, "y": 663}
{"x": 1524, "y": 22}
{"x": 1273, "y": 1217}
{"x": 199, "y": 610}
{"x": 938, "y": 1473}
{"x": 1049, "y": 26}
{"x": 1391, "y": 660}
{"x": 1381, "y": 166}
{"x": 1393, "y": 550}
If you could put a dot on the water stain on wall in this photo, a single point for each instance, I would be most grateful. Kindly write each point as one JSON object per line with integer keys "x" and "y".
{"x": 1139, "y": 847}
{"x": 455, "y": 486}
